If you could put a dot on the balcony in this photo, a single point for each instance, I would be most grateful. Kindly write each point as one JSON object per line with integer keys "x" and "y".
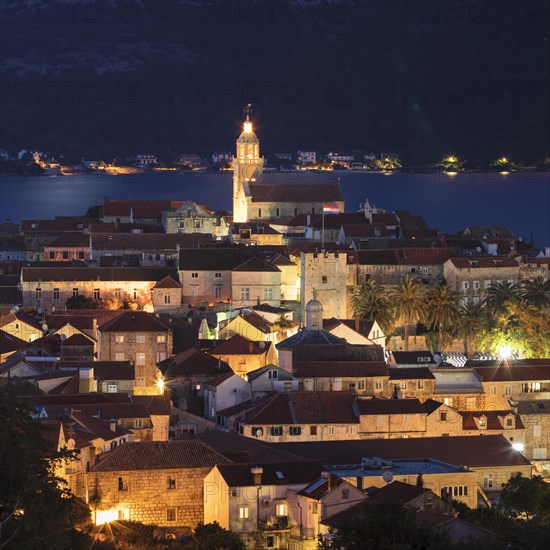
{"x": 278, "y": 523}
{"x": 302, "y": 533}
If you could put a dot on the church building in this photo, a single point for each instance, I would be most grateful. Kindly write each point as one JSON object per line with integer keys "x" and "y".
{"x": 255, "y": 200}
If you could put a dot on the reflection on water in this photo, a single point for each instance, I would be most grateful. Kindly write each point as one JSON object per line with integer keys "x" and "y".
{"x": 450, "y": 202}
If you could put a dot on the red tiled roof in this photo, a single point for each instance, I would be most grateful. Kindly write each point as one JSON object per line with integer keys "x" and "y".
{"x": 410, "y": 373}
{"x": 274, "y": 473}
{"x": 322, "y": 407}
{"x": 214, "y": 382}
{"x": 387, "y": 218}
{"x": 193, "y": 362}
{"x": 365, "y": 230}
{"x": 256, "y": 265}
{"x": 134, "y": 321}
{"x": 103, "y": 370}
{"x": 494, "y": 419}
{"x": 315, "y": 192}
{"x": 159, "y": 455}
{"x": 58, "y": 225}
{"x": 514, "y": 373}
{"x": 148, "y": 241}
{"x": 239, "y": 345}
{"x": 140, "y": 209}
{"x": 9, "y": 342}
{"x": 257, "y": 321}
{"x": 337, "y": 352}
{"x": 168, "y": 282}
{"x": 78, "y": 340}
{"x": 11, "y": 317}
{"x": 69, "y": 240}
{"x": 339, "y": 369}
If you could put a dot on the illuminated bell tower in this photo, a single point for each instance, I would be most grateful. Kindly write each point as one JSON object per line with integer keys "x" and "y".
{"x": 247, "y": 167}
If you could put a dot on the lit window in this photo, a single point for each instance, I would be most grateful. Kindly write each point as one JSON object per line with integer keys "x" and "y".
{"x": 140, "y": 358}
{"x": 377, "y": 384}
{"x": 161, "y": 338}
{"x": 281, "y": 509}
{"x": 243, "y": 512}
{"x": 119, "y": 338}
{"x": 403, "y": 384}
{"x": 140, "y": 338}
{"x": 112, "y": 388}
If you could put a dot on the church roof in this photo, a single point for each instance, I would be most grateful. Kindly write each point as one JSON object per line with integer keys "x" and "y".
{"x": 256, "y": 265}
{"x": 313, "y": 192}
{"x": 307, "y": 336}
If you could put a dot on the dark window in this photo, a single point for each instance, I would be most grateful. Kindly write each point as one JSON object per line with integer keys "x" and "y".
{"x": 277, "y": 430}
{"x": 170, "y": 482}
{"x": 295, "y": 430}
{"x": 313, "y": 430}
{"x": 443, "y": 416}
{"x": 52, "y": 255}
{"x": 325, "y": 279}
{"x": 122, "y": 484}
{"x": 170, "y": 514}
{"x": 81, "y": 254}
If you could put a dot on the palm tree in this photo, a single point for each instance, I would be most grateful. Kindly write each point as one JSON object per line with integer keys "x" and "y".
{"x": 371, "y": 302}
{"x": 408, "y": 303}
{"x": 443, "y": 305}
{"x": 471, "y": 319}
{"x": 282, "y": 324}
{"x": 499, "y": 294}
{"x": 536, "y": 292}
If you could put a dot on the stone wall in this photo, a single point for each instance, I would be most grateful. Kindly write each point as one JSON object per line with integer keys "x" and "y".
{"x": 145, "y": 496}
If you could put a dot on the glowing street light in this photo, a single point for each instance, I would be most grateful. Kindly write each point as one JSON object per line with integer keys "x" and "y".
{"x": 160, "y": 385}
{"x": 505, "y": 352}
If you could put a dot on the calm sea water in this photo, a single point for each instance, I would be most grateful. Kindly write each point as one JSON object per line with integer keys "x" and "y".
{"x": 520, "y": 200}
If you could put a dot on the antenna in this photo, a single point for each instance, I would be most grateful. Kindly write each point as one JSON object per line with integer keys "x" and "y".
{"x": 247, "y": 110}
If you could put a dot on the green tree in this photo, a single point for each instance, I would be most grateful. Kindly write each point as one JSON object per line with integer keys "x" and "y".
{"x": 370, "y": 301}
{"x": 36, "y": 510}
{"x": 470, "y": 321}
{"x": 536, "y": 292}
{"x": 408, "y": 302}
{"x": 500, "y": 295}
{"x": 214, "y": 537}
{"x": 527, "y": 497}
{"x": 442, "y": 311}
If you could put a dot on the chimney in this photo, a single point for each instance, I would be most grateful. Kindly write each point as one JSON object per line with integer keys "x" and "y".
{"x": 308, "y": 219}
{"x": 85, "y": 379}
{"x": 112, "y": 425}
{"x": 250, "y": 347}
{"x": 357, "y": 322}
{"x": 256, "y": 475}
{"x": 258, "y": 301}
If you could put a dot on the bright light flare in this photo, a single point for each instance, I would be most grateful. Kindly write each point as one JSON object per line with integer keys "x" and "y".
{"x": 248, "y": 127}
{"x": 518, "y": 447}
{"x": 505, "y": 352}
{"x": 105, "y": 516}
{"x": 160, "y": 385}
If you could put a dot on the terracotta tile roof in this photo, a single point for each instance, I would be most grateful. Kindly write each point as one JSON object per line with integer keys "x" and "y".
{"x": 147, "y": 241}
{"x": 185, "y": 335}
{"x": 364, "y": 326}
{"x": 159, "y": 455}
{"x": 156, "y": 405}
{"x": 322, "y": 407}
{"x": 58, "y": 225}
{"x": 483, "y": 262}
{"x": 274, "y": 473}
{"x": 339, "y": 369}
{"x": 11, "y": 317}
{"x": 228, "y": 412}
{"x": 390, "y": 406}
{"x": 365, "y": 230}
{"x": 398, "y": 491}
{"x": 168, "y": 282}
{"x": 514, "y": 373}
{"x": 103, "y": 370}
{"x": 469, "y": 451}
{"x": 239, "y": 345}
{"x": 125, "y": 228}
{"x": 134, "y": 321}
{"x": 257, "y": 321}
{"x": 494, "y": 419}
{"x": 103, "y": 410}
{"x": 489, "y": 230}
{"x": 387, "y": 218}
{"x": 211, "y": 259}
{"x": 280, "y": 260}
{"x": 78, "y": 340}
{"x": 91, "y": 428}
{"x": 315, "y": 192}
{"x": 338, "y": 352}
{"x": 404, "y": 256}
{"x": 410, "y": 373}
{"x": 193, "y": 362}
{"x": 282, "y": 375}
{"x": 9, "y": 342}
{"x": 218, "y": 380}
{"x": 70, "y": 240}
{"x": 95, "y": 273}
{"x": 256, "y": 265}
{"x": 140, "y": 209}
{"x": 82, "y": 319}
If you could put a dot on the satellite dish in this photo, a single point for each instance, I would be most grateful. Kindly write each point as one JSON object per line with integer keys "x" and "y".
{"x": 70, "y": 443}
{"x": 44, "y": 327}
{"x": 40, "y": 311}
{"x": 62, "y": 337}
{"x": 478, "y": 248}
{"x": 53, "y": 309}
{"x": 15, "y": 309}
{"x": 387, "y": 477}
{"x": 262, "y": 345}
{"x": 437, "y": 358}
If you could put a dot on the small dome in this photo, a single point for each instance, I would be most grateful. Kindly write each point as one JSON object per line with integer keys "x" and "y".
{"x": 248, "y": 137}
{"x": 313, "y": 306}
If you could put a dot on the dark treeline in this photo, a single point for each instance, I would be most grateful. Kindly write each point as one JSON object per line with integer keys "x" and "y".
{"x": 419, "y": 78}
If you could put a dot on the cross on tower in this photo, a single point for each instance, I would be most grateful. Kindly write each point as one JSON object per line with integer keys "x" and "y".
{"x": 247, "y": 110}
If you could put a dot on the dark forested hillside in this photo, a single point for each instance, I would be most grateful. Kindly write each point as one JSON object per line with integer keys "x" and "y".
{"x": 421, "y": 78}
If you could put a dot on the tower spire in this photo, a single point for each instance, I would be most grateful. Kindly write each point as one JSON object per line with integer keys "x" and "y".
{"x": 247, "y": 110}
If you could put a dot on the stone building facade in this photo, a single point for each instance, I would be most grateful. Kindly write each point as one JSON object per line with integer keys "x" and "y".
{"x": 139, "y": 337}
{"x": 157, "y": 483}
